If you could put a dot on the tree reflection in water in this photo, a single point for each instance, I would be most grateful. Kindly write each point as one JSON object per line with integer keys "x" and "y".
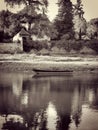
{"x": 49, "y": 103}
{"x": 13, "y": 122}
{"x": 63, "y": 123}
{"x": 77, "y": 118}
{"x": 39, "y": 122}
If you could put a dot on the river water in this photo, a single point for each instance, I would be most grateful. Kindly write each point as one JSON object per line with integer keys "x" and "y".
{"x": 67, "y": 102}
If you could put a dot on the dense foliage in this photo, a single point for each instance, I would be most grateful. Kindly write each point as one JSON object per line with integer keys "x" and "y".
{"x": 63, "y": 21}
{"x": 79, "y": 21}
{"x": 27, "y": 2}
{"x": 69, "y": 32}
{"x": 9, "y": 24}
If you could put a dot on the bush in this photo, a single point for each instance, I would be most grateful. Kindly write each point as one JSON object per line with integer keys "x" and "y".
{"x": 68, "y": 45}
{"x": 66, "y": 37}
{"x": 36, "y": 45}
{"x": 29, "y": 44}
{"x": 87, "y": 50}
{"x": 77, "y": 44}
{"x": 93, "y": 44}
{"x": 53, "y": 43}
{"x": 44, "y": 52}
{"x": 62, "y": 43}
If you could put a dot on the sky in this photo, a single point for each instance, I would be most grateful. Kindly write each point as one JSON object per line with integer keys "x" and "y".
{"x": 90, "y": 8}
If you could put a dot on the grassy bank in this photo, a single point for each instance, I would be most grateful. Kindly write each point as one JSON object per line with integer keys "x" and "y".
{"x": 28, "y": 62}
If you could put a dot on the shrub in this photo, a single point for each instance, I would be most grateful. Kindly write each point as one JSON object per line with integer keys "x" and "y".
{"x": 62, "y": 43}
{"x": 44, "y": 52}
{"x": 68, "y": 44}
{"x": 53, "y": 43}
{"x": 36, "y": 45}
{"x": 66, "y": 37}
{"x": 87, "y": 50}
{"x": 93, "y": 44}
{"x": 77, "y": 44}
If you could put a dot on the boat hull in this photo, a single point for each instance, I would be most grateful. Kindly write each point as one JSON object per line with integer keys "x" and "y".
{"x": 51, "y": 73}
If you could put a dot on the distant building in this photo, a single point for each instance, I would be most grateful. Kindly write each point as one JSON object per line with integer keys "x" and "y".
{"x": 21, "y": 37}
{"x": 17, "y": 38}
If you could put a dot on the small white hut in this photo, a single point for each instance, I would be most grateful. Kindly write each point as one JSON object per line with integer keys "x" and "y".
{"x": 17, "y": 38}
{"x": 20, "y": 36}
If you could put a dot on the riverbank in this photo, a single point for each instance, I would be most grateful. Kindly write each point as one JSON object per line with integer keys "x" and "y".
{"x": 28, "y": 62}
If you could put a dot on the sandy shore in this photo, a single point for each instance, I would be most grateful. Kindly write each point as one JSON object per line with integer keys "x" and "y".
{"x": 28, "y": 62}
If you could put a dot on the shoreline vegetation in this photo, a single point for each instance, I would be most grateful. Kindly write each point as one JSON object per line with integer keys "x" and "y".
{"x": 29, "y": 40}
{"x": 29, "y": 62}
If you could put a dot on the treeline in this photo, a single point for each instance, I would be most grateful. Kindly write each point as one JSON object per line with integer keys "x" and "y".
{"x": 69, "y": 30}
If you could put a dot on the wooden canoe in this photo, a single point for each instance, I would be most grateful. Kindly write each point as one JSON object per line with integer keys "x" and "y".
{"x": 40, "y": 72}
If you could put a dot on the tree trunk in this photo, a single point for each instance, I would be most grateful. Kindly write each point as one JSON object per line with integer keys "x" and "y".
{"x": 29, "y": 28}
{"x": 29, "y": 2}
{"x": 80, "y": 34}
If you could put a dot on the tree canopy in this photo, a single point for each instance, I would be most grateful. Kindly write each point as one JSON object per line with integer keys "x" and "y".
{"x": 9, "y": 24}
{"x": 26, "y": 2}
{"x": 79, "y": 21}
{"x": 64, "y": 18}
{"x": 31, "y": 8}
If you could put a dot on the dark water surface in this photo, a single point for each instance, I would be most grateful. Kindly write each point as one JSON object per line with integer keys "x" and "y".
{"x": 48, "y": 103}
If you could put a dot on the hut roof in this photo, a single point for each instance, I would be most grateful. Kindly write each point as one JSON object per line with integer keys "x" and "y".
{"x": 23, "y": 32}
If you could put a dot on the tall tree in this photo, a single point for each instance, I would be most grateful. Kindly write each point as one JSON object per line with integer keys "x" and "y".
{"x": 4, "y": 19}
{"x": 9, "y": 24}
{"x": 79, "y": 21}
{"x": 64, "y": 18}
{"x": 79, "y": 8}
